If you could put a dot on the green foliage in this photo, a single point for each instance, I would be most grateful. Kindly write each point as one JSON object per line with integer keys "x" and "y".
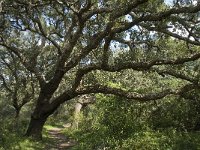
{"x": 168, "y": 139}
{"x": 181, "y": 114}
{"x": 12, "y": 136}
{"x": 12, "y": 129}
{"x": 115, "y": 123}
{"x": 16, "y": 142}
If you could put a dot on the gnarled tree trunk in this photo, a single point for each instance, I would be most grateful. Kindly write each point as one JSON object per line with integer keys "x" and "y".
{"x": 35, "y": 127}
{"x": 77, "y": 111}
{"x": 38, "y": 118}
{"x": 41, "y": 112}
{"x": 83, "y": 102}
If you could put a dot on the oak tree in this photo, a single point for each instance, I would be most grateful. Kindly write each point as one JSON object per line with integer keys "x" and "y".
{"x": 66, "y": 44}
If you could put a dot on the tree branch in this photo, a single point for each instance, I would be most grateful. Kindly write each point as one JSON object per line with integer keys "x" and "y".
{"x": 122, "y": 93}
{"x": 5, "y": 84}
{"x": 156, "y": 17}
{"x": 28, "y": 66}
{"x": 172, "y": 34}
{"x": 176, "y": 75}
{"x": 139, "y": 66}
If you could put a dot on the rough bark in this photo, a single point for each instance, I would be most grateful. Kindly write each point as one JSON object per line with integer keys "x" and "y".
{"x": 35, "y": 127}
{"x": 17, "y": 112}
{"x": 83, "y": 102}
{"x": 38, "y": 118}
{"x": 41, "y": 112}
{"x": 77, "y": 111}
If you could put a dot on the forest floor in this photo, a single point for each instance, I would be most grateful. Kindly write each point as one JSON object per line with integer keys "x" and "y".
{"x": 57, "y": 140}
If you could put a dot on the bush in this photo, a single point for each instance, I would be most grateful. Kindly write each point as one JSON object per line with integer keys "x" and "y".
{"x": 115, "y": 124}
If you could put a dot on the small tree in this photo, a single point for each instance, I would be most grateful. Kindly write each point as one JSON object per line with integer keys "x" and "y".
{"x": 17, "y": 82}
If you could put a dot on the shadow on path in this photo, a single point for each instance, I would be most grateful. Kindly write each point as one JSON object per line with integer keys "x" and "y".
{"x": 58, "y": 141}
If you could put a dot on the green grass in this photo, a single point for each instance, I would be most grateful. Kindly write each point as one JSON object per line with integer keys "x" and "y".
{"x": 16, "y": 142}
{"x": 151, "y": 140}
{"x": 172, "y": 139}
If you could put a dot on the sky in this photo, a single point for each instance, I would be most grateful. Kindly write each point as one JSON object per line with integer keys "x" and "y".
{"x": 168, "y": 1}
{"x": 171, "y": 1}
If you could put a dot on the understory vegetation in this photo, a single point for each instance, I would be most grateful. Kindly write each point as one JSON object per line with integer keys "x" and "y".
{"x": 115, "y": 123}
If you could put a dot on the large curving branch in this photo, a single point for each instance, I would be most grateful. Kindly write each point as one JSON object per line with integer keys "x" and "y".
{"x": 156, "y": 17}
{"x": 172, "y": 34}
{"x": 98, "y": 37}
{"x": 69, "y": 94}
{"x": 110, "y": 30}
{"x": 122, "y": 93}
{"x": 138, "y": 66}
{"x": 177, "y": 75}
{"x": 93, "y": 44}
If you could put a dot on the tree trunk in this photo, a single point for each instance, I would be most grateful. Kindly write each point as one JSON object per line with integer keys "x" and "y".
{"x": 83, "y": 102}
{"x": 35, "y": 127}
{"x": 17, "y": 112}
{"x": 38, "y": 118}
{"x": 41, "y": 112}
{"x": 16, "y": 120}
{"x": 77, "y": 111}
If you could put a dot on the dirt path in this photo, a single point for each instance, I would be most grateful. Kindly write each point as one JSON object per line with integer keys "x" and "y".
{"x": 58, "y": 141}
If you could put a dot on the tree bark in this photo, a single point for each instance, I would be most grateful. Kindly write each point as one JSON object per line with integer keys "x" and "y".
{"x": 17, "y": 112}
{"x": 35, "y": 127}
{"x": 44, "y": 108}
{"x": 83, "y": 102}
{"x": 77, "y": 111}
{"x": 41, "y": 112}
{"x": 16, "y": 120}
{"x": 38, "y": 117}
